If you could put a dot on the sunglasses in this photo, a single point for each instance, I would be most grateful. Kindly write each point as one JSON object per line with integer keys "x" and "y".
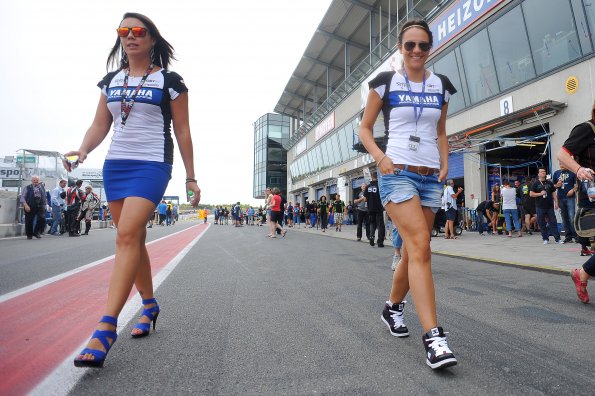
{"x": 423, "y": 46}
{"x": 136, "y": 31}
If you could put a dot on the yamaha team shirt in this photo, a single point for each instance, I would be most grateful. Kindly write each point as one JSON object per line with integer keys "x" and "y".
{"x": 399, "y": 118}
{"x": 147, "y": 133}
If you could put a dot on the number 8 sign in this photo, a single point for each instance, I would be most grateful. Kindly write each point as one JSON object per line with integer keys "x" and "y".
{"x": 506, "y": 106}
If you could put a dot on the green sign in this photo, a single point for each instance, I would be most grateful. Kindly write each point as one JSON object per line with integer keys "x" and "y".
{"x": 29, "y": 159}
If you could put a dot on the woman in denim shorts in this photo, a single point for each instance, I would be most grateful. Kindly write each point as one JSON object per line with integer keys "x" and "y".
{"x": 411, "y": 172}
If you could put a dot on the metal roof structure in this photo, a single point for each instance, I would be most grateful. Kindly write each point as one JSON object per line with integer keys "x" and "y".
{"x": 348, "y": 35}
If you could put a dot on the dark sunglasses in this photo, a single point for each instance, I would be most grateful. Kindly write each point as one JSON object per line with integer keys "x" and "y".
{"x": 423, "y": 45}
{"x": 136, "y": 31}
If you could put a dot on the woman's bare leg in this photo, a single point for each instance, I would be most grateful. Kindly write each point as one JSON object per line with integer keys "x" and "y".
{"x": 130, "y": 216}
{"x": 415, "y": 231}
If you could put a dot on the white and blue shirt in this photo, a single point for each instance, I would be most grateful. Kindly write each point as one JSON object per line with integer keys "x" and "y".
{"x": 147, "y": 133}
{"x": 399, "y": 116}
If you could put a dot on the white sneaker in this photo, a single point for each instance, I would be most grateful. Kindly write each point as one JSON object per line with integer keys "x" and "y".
{"x": 396, "y": 260}
{"x": 545, "y": 241}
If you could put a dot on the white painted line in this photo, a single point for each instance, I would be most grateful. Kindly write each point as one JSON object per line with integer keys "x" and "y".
{"x": 45, "y": 282}
{"x": 65, "y": 377}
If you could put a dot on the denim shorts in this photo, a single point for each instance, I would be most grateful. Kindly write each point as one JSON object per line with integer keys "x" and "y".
{"x": 403, "y": 185}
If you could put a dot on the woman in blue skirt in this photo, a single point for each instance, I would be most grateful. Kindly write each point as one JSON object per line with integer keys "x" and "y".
{"x": 141, "y": 99}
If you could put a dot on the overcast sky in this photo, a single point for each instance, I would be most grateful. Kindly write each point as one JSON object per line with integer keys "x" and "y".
{"x": 235, "y": 56}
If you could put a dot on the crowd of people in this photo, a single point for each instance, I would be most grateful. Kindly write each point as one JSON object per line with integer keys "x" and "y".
{"x": 62, "y": 210}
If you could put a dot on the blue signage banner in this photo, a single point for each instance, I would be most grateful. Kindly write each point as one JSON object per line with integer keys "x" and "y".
{"x": 458, "y": 17}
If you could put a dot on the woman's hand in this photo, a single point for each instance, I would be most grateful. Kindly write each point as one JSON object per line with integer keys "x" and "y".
{"x": 584, "y": 174}
{"x": 82, "y": 156}
{"x": 192, "y": 186}
{"x": 385, "y": 165}
{"x": 443, "y": 174}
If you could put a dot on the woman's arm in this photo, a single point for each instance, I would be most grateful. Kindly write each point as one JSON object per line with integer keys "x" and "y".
{"x": 442, "y": 144}
{"x": 366, "y": 134}
{"x": 181, "y": 122}
{"x": 95, "y": 134}
{"x": 570, "y": 164}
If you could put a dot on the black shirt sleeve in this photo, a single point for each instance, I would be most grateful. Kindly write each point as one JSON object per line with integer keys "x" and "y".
{"x": 446, "y": 86}
{"x": 105, "y": 81}
{"x": 382, "y": 78}
{"x": 581, "y": 145}
{"x": 174, "y": 81}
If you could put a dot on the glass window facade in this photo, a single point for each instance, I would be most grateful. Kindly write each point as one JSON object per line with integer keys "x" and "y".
{"x": 448, "y": 67}
{"x": 479, "y": 67}
{"x": 523, "y": 43}
{"x": 271, "y": 131}
{"x": 514, "y": 63}
{"x": 333, "y": 150}
{"x": 552, "y": 33}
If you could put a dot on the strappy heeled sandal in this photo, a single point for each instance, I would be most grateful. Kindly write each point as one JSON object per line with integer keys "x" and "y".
{"x": 151, "y": 313}
{"x": 103, "y": 336}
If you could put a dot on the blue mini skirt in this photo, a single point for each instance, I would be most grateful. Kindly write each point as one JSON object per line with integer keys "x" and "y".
{"x": 133, "y": 178}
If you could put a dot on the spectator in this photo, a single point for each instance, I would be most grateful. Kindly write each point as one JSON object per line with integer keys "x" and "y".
{"x": 564, "y": 182}
{"x": 350, "y": 213}
{"x": 90, "y": 203}
{"x": 528, "y": 203}
{"x": 450, "y": 208}
{"x": 375, "y": 211}
{"x": 34, "y": 200}
{"x": 276, "y": 213}
{"x": 511, "y": 214}
{"x": 250, "y": 216}
{"x": 543, "y": 191}
{"x": 169, "y": 210}
{"x": 397, "y": 242}
{"x": 338, "y": 212}
{"x": 312, "y": 209}
{"x": 296, "y": 215}
{"x": 162, "y": 210}
{"x": 323, "y": 207}
{"x": 289, "y": 214}
{"x": 519, "y": 203}
{"x": 496, "y": 193}
{"x": 362, "y": 213}
{"x": 58, "y": 203}
{"x": 74, "y": 200}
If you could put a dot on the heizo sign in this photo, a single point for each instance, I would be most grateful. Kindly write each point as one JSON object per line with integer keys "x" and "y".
{"x": 327, "y": 125}
{"x": 458, "y": 17}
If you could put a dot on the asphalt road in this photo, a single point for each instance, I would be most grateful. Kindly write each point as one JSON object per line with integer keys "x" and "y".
{"x": 244, "y": 314}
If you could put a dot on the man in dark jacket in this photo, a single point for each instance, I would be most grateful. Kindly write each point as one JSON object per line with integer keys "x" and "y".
{"x": 74, "y": 199}
{"x": 375, "y": 211}
{"x": 34, "y": 202}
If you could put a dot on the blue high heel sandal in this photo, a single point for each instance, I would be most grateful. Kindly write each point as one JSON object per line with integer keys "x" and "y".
{"x": 151, "y": 313}
{"x": 102, "y": 336}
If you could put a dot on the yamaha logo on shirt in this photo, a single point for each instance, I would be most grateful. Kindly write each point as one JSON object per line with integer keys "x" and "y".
{"x": 405, "y": 99}
{"x": 145, "y": 95}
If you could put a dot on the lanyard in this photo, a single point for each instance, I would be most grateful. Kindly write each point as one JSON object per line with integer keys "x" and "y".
{"x": 423, "y": 90}
{"x": 125, "y": 107}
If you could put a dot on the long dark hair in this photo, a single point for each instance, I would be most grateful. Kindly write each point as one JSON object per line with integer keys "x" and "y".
{"x": 163, "y": 51}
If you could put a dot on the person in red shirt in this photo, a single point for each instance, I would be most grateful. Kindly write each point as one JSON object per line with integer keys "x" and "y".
{"x": 276, "y": 213}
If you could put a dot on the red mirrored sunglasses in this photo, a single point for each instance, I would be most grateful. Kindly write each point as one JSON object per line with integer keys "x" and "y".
{"x": 136, "y": 31}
